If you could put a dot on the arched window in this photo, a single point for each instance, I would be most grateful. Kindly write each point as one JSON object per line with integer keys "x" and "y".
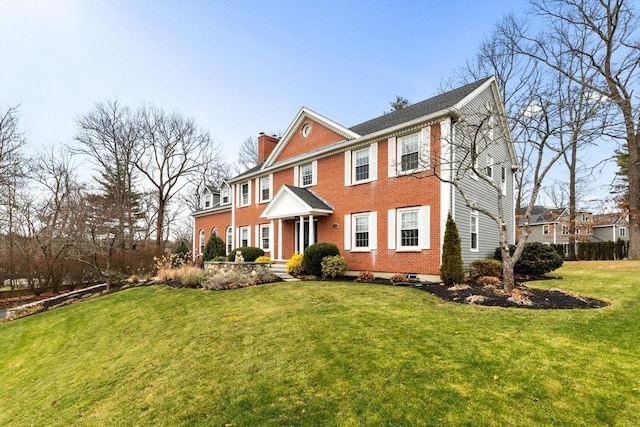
{"x": 214, "y": 231}
{"x": 201, "y": 241}
{"x": 229, "y": 240}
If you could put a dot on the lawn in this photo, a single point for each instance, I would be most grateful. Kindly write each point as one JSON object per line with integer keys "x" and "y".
{"x": 314, "y": 353}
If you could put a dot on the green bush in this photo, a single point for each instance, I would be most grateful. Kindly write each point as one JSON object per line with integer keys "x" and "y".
{"x": 221, "y": 259}
{"x": 181, "y": 255}
{"x": 215, "y": 247}
{"x": 294, "y": 265}
{"x": 249, "y": 253}
{"x": 314, "y": 254}
{"x": 485, "y": 268}
{"x": 537, "y": 259}
{"x": 334, "y": 266}
{"x": 452, "y": 268}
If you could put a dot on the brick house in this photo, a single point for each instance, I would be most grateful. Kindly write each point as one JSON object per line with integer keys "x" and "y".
{"x": 378, "y": 190}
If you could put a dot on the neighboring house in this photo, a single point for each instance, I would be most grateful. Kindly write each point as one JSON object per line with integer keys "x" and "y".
{"x": 611, "y": 226}
{"x": 371, "y": 188}
{"x": 551, "y": 226}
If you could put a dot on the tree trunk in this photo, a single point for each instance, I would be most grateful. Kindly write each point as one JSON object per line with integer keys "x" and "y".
{"x": 160, "y": 226}
{"x": 634, "y": 193}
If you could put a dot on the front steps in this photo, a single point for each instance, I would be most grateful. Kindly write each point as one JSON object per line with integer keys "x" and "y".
{"x": 279, "y": 270}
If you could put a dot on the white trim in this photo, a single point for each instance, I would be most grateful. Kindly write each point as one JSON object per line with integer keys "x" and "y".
{"x": 391, "y": 228}
{"x": 347, "y": 168}
{"x": 296, "y": 176}
{"x": 256, "y": 236}
{"x": 267, "y": 227}
{"x": 373, "y": 162}
{"x": 424, "y": 233}
{"x": 347, "y": 232}
{"x": 473, "y": 216}
{"x": 392, "y": 170}
{"x": 372, "y": 230}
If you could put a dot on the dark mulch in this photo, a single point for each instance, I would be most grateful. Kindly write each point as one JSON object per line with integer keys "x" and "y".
{"x": 522, "y": 296}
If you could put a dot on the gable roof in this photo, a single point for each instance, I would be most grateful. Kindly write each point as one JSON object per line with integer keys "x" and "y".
{"x": 303, "y": 114}
{"x": 420, "y": 109}
{"x": 292, "y": 202}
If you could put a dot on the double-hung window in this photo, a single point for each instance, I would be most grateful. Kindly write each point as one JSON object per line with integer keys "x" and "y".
{"x": 244, "y": 194}
{"x": 409, "y": 229}
{"x": 473, "y": 229}
{"x": 565, "y": 229}
{"x": 265, "y": 237}
{"x": 623, "y": 231}
{"x": 504, "y": 181}
{"x": 224, "y": 196}
{"x": 489, "y": 168}
{"x": 229, "y": 240}
{"x": 360, "y": 232}
{"x": 361, "y": 160}
{"x": 545, "y": 229}
{"x": 244, "y": 236}
{"x": 409, "y": 152}
{"x": 361, "y": 239}
{"x": 265, "y": 188}
{"x": 306, "y": 175}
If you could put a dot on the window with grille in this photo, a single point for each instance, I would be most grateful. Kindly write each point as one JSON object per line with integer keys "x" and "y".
{"x": 362, "y": 164}
{"x": 409, "y": 228}
{"x": 306, "y": 174}
{"x": 473, "y": 227}
{"x": 362, "y": 231}
{"x": 409, "y": 152}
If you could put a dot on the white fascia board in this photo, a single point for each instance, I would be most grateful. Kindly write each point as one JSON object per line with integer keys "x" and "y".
{"x": 491, "y": 82}
{"x": 288, "y": 134}
{"x": 210, "y": 211}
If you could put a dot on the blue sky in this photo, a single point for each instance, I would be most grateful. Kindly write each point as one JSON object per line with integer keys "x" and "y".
{"x": 237, "y": 67}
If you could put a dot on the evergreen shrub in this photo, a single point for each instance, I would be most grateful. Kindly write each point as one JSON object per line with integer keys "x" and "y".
{"x": 314, "y": 254}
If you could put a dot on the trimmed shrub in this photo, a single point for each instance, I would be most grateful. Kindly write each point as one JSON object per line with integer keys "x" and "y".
{"x": 333, "y": 266}
{"x": 249, "y": 253}
{"x": 221, "y": 259}
{"x": 537, "y": 259}
{"x": 452, "y": 268}
{"x": 264, "y": 259}
{"x": 294, "y": 265}
{"x": 559, "y": 248}
{"x": 621, "y": 249}
{"x": 314, "y": 254}
{"x": 485, "y": 268}
{"x": 215, "y": 247}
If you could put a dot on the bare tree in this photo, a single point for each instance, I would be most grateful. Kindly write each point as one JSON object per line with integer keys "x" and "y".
{"x": 12, "y": 174}
{"x": 248, "y": 154}
{"x": 109, "y": 135}
{"x": 604, "y": 36}
{"x": 173, "y": 149}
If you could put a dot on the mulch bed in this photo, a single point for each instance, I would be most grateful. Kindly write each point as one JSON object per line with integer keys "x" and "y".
{"x": 522, "y": 296}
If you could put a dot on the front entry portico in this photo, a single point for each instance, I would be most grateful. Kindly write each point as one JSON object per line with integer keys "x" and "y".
{"x": 299, "y": 205}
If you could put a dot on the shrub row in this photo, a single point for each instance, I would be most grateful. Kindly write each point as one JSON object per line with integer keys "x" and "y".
{"x": 537, "y": 259}
{"x": 609, "y": 250}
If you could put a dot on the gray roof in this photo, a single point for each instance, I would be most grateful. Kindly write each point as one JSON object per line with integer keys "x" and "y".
{"x": 420, "y": 109}
{"x": 309, "y": 198}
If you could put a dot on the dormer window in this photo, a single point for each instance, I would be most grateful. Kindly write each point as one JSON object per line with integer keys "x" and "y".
{"x": 207, "y": 203}
{"x": 224, "y": 196}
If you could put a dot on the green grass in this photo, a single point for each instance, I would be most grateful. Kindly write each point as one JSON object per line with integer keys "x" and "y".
{"x": 327, "y": 354}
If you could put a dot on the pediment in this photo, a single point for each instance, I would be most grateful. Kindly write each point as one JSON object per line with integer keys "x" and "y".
{"x": 309, "y": 131}
{"x": 292, "y": 202}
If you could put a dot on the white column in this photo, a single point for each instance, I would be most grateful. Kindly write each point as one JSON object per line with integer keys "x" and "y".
{"x": 301, "y": 235}
{"x": 312, "y": 237}
{"x": 280, "y": 239}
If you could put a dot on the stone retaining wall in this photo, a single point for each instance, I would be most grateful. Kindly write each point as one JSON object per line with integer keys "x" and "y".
{"x": 242, "y": 267}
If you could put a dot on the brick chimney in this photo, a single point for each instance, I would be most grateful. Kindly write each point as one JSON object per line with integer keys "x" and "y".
{"x": 266, "y": 144}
